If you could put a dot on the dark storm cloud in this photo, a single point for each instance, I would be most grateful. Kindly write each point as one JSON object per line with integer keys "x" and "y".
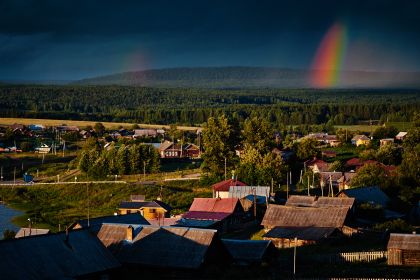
{"x": 73, "y": 39}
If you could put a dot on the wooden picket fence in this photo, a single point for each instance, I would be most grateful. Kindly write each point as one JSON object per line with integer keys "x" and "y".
{"x": 353, "y": 257}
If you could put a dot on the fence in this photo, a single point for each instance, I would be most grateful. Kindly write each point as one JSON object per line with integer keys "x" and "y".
{"x": 353, "y": 257}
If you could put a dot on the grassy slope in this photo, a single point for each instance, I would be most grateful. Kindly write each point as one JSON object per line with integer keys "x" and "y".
{"x": 49, "y": 206}
{"x": 51, "y": 122}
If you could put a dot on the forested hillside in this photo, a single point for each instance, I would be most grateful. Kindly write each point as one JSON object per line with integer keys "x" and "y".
{"x": 252, "y": 77}
{"x": 194, "y": 106}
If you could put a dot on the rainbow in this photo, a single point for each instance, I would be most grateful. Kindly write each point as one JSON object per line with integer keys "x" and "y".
{"x": 326, "y": 66}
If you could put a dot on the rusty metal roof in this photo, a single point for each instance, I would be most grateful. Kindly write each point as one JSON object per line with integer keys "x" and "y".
{"x": 404, "y": 241}
{"x": 223, "y": 186}
{"x": 178, "y": 247}
{"x": 291, "y": 216}
{"x": 52, "y": 256}
{"x": 220, "y": 205}
{"x": 199, "y": 215}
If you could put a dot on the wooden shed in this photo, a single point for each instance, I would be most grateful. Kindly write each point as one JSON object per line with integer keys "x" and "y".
{"x": 404, "y": 249}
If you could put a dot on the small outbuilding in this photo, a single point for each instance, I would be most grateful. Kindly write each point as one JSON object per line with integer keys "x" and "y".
{"x": 404, "y": 249}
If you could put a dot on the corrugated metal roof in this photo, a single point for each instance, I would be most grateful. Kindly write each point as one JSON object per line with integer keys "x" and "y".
{"x": 221, "y": 205}
{"x": 301, "y": 233}
{"x": 223, "y": 186}
{"x": 178, "y": 247}
{"x": 404, "y": 241}
{"x": 367, "y": 195}
{"x": 243, "y": 191}
{"x": 200, "y": 215}
{"x": 96, "y": 223}
{"x": 247, "y": 250}
{"x": 290, "y": 216}
{"x": 142, "y": 204}
{"x": 31, "y": 231}
{"x": 52, "y": 257}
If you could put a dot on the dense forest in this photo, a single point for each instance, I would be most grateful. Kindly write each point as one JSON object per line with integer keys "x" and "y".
{"x": 191, "y": 106}
{"x": 252, "y": 77}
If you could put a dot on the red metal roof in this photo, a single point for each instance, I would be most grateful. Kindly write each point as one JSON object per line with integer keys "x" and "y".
{"x": 200, "y": 215}
{"x": 221, "y": 205}
{"x": 314, "y": 161}
{"x": 223, "y": 186}
{"x": 354, "y": 162}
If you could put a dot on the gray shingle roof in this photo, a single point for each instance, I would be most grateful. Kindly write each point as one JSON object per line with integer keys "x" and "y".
{"x": 96, "y": 223}
{"x": 367, "y": 195}
{"x": 404, "y": 241}
{"x": 178, "y": 247}
{"x": 52, "y": 257}
{"x": 290, "y": 216}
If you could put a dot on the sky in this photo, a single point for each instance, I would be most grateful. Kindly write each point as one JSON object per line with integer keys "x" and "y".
{"x": 76, "y": 39}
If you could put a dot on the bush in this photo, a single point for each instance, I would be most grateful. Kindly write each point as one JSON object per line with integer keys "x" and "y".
{"x": 396, "y": 226}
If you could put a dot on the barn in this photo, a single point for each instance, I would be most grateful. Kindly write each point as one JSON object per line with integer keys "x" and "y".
{"x": 404, "y": 249}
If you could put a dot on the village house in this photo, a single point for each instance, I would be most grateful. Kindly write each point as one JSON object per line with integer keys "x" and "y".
{"x": 404, "y": 249}
{"x": 401, "y": 136}
{"x": 309, "y": 224}
{"x": 359, "y": 140}
{"x": 330, "y": 178}
{"x": 67, "y": 128}
{"x": 163, "y": 247}
{"x": 354, "y": 163}
{"x": 145, "y": 133}
{"x": 223, "y": 214}
{"x": 329, "y": 154}
{"x": 94, "y": 224}
{"x": 151, "y": 210}
{"x": 316, "y": 201}
{"x": 192, "y": 151}
{"x": 171, "y": 150}
{"x": 23, "y": 232}
{"x": 316, "y": 165}
{"x": 64, "y": 255}
{"x": 221, "y": 189}
{"x": 344, "y": 182}
{"x": 386, "y": 141}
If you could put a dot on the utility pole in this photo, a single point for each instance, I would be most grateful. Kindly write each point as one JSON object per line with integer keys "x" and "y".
{"x": 1, "y": 176}
{"x": 225, "y": 168}
{"x": 287, "y": 186}
{"x": 294, "y": 258}
{"x": 14, "y": 176}
{"x": 64, "y": 146}
{"x": 308, "y": 185}
{"x": 255, "y": 203}
{"x": 144, "y": 170}
{"x": 88, "y": 204}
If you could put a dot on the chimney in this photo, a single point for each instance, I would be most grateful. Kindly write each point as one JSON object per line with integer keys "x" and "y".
{"x": 130, "y": 233}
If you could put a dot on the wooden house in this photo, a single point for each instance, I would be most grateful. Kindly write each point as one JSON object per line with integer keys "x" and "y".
{"x": 404, "y": 249}
{"x": 94, "y": 224}
{"x": 221, "y": 189}
{"x": 139, "y": 133}
{"x": 171, "y": 150}
{"x": 359, "y": 140}
{"x": 329, "y": 154}
{"x": 344, "y": 182}
{"x": 72, "y": 255}
{"x": 151, "y": 210}
{"x": 386, "y": 141}
{"x": 192, "y": 151}
{"x": 316, "y": 165}
{"x": 401, "y": 136}
{"x": 372, "y": 195}
{"x": 163, "y": 247}
{"x": 309, "y": 225}
{"x": 222, "y": 214}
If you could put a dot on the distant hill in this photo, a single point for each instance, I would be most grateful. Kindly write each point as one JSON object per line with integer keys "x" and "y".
{"x": 239, "y": 77}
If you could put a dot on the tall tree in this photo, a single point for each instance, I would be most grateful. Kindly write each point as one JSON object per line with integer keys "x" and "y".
{"x": 219, "y": 146}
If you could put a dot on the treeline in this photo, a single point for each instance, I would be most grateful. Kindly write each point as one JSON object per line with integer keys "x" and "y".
{"x": 99, "y": 163}
{"x": 191, "y": 106}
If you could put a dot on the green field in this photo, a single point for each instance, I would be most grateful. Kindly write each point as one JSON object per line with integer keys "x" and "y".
{"x": 402, "y": 126}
